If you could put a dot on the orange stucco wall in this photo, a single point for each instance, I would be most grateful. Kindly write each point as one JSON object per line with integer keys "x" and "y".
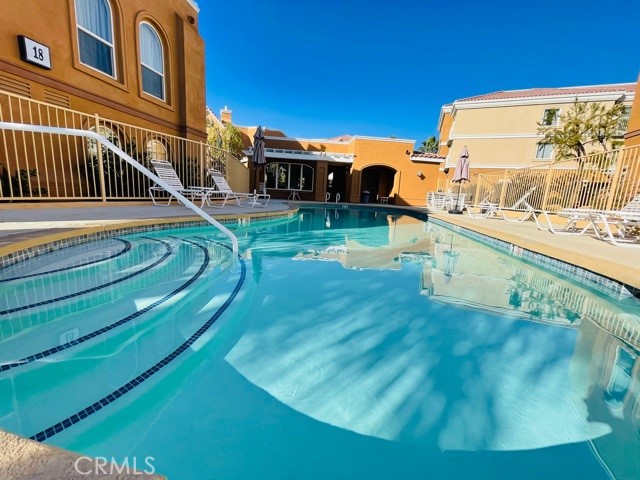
{"x": 53, "y": 24}
{"x": 406, "y": 182}
{"x": 632, "y": 137}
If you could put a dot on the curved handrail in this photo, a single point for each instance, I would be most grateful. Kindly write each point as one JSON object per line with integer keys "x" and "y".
{"x": 124, "y": 156}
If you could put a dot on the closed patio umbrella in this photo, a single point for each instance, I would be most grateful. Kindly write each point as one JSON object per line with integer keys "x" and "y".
{"x": 258, "y": 158}
{"x": 461, "y": 175}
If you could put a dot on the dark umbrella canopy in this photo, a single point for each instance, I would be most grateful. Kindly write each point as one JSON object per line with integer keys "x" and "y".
{"x": 259, "y": 158}
{"x": 462, "y": 167}
{"x": 461, "y": 175}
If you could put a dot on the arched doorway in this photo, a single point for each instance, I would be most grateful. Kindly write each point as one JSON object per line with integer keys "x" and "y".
{"x": 378, "y": 181}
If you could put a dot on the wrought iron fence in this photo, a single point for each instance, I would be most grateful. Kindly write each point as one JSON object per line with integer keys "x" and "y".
{"x": 40, "y": 166}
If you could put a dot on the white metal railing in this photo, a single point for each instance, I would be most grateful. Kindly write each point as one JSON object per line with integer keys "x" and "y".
{"x": 124, "y": 156}
{"x": 36, "y": 166}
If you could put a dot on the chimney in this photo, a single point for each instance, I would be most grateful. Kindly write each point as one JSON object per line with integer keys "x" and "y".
{"x": 225, "y": 115}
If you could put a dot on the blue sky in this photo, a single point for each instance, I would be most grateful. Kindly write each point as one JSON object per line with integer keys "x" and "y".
{"x": 318, "y": 69}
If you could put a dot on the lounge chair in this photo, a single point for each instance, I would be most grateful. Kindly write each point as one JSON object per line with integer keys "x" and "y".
{"x": 494, "y": 210}
{"x": 580, "y": 220}
{"x": 166, "y": 172}
{"x": 224, "y": 192}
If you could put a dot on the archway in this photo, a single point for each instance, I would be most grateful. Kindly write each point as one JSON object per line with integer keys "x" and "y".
{"x": 378, "y": 181}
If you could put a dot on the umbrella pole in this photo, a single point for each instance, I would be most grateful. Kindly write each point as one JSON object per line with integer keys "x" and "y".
{"x": 456, "y": 210}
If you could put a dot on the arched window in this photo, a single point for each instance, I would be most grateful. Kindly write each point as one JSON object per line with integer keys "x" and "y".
{"x": 157, "y": 150}
{"x": 95, "y": 35}
{"x": 152, "y": 59}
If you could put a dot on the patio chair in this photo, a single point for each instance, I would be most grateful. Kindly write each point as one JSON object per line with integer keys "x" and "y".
{"x": 224, "y": 192}
{"x": 166, "y": 172}
{"x": 580, "y": 220}
{"x": 494, "y": 210}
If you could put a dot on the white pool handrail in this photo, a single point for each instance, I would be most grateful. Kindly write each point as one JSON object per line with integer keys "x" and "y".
{"x": 24, "y": 127}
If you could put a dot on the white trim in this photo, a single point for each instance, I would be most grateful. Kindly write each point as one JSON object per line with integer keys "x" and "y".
{"x": 544, "y": 100}
{"x": 427, "y": 160}
{"x": 448, "y": 108}
{"x": 97, "y": 37}
{"x": 194, "y": 5}
{"x": 312, "y": 156}
{"x": 487, "y": 136}
{"x": 337, "y": 142}
{"x": 534, "y": 163}
{"x": 161, "y": 74}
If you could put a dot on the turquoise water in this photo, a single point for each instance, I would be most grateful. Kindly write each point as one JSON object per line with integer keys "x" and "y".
{"x": 344, "y": 344}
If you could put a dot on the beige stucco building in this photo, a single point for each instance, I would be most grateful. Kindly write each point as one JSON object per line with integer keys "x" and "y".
{"x": 500, "y": 129}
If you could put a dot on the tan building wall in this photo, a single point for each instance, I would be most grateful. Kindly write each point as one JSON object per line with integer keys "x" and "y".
{"x": 73, "y": 84}
{"x": 632, "y": 138}
{"x": 500, "y": 130}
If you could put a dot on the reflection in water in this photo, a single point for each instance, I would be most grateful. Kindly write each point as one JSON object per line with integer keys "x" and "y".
{"x": 489, "y": 353}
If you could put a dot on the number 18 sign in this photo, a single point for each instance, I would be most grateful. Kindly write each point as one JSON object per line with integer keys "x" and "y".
{"x": 34, "y": 52}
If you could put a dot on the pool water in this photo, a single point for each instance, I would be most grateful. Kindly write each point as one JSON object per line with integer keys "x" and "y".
{"x": 344, "y": 343}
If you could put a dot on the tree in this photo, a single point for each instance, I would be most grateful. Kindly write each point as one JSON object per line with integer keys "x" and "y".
{"x": 226, "y": 137}
{"x": 430, "y": 145}
{"x": 583, "y": 125}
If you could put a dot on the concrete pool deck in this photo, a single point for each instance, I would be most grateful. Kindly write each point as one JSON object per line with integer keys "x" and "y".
{"x": 26, "y": 225}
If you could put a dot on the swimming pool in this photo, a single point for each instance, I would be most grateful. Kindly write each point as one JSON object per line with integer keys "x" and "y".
{"x": 345, "y": 343}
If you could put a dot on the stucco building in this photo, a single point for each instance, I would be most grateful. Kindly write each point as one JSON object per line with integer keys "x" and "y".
{"x": 345, "y": 168}
{"x": 500, "y": 129}
{"x": 132, "y": 70}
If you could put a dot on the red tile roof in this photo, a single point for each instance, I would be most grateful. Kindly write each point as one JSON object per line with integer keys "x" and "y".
{"x": 546, "y": 92}
{"x": 341, "y": 138}
{"x": 426, "y": 155}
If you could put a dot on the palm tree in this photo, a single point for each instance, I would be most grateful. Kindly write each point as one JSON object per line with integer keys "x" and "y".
{"x": 430, "y": 145}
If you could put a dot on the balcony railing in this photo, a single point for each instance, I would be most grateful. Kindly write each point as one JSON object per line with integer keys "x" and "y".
{"x": 43, "y": 166}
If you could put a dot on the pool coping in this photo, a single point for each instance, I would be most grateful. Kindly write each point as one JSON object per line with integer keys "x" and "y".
{"x": 26, "y": 249}
{"x": 24, "y": 459}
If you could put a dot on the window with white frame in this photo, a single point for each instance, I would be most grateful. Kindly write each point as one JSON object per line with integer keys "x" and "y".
{"x": 544, "y": 151}
{"x": 96, "y": 45}
{"x": 152, "y": 60}
{"x": 550, "y": 117}
{"x": 289, "y": 176}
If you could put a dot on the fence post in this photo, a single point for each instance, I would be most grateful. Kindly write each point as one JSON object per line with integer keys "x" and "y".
{"x": 503, "y": 190}
{"x": 203, "y": 163}
{"x": 103, "y": 190}
{"x": 477, "y": 192}
{"x": 547, "y": 187}
{"x": 613, "y": 189}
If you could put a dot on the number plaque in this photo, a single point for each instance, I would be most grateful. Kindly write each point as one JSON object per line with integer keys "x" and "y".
{"x": 34, "y": 52}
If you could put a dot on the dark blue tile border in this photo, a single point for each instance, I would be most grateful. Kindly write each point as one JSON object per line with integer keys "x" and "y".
{"x": 127, "y": 247}
{"x": 127, "y": 387}
{"x": 97, "y": 287}
{"x": 51, "y": 351}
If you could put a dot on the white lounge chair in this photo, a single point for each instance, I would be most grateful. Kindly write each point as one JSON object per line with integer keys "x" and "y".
{"x": 494, "y": 210}
{"x": 578, "y": 221}
{"x": 166, "y": 172}
{"x": 224, "y": 192}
